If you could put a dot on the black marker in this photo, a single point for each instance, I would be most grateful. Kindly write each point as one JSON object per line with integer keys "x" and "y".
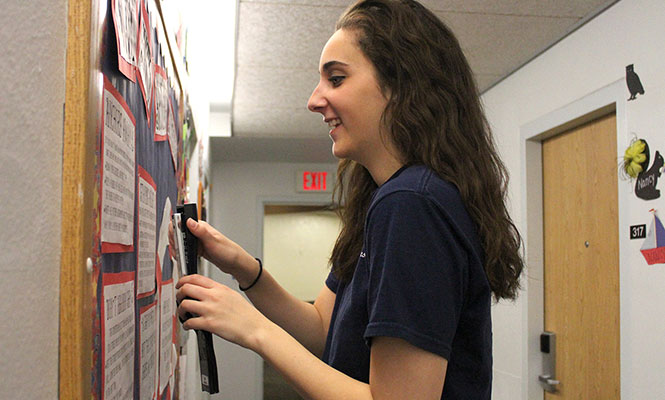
{"x": 189, "y": 245}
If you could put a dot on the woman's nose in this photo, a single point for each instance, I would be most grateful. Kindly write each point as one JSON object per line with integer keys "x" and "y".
{"x": 316, "y": 101}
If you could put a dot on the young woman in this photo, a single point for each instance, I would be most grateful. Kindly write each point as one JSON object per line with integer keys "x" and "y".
{"x": 426, "y": 238}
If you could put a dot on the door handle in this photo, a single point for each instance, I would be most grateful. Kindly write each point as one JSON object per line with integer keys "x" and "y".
{"x": 546, "y": 379}
{"x": 548, "y": 348}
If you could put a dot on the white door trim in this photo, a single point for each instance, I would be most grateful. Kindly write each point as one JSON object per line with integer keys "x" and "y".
{"x": 261, "y": 202}
{"x": 603, "y": 101}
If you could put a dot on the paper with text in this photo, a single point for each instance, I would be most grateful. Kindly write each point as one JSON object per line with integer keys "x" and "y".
{"x": 149, "y": 356}
{"x": 172, "y": 133}
{"x": 167, "y": 307}
{"x": 118, "y": 175}
{"x": 144, "y": 61}
{"x": 147, "y": 236}
{"x": 161, "y": 101}
{"x": 117, "y": 319}
{"x": 126, "y": 22}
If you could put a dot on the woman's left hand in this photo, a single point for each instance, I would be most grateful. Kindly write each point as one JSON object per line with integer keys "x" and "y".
{"x": 218, "y": 309}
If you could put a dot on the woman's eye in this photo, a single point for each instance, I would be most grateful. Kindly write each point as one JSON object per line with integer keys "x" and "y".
{"x": 336, "y": 80}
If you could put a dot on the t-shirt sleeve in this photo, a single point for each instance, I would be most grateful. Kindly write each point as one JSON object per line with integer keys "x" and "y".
{"x": 417, "y": 273}
{"x": 332, "y": 282}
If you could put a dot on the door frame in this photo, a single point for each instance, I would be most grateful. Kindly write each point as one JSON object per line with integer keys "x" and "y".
{"x": 611, "y": 98}
{"x": 305, "y": 199}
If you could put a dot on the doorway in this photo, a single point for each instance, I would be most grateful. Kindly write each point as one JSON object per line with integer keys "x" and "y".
{"x": 606, "y": 100}
{"x": 581, "y": 259}
{"x": 297, "y": 243}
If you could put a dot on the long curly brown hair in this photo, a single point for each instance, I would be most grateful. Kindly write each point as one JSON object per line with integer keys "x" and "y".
{"x": 433, "y": 117}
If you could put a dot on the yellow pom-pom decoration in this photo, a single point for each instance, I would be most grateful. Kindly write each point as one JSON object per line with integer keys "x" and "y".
{"x": 634, "y": 157}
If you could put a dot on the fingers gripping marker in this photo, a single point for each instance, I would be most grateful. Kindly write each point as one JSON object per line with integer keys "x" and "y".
{"x": 190, "y": 265}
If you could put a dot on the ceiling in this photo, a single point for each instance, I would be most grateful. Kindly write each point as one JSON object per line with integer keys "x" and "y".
{"x": 279, "y": 43}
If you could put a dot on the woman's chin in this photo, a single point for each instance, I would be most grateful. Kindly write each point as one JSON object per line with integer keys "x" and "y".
{"x": 337, "y": 151}
{"x": 343, "y": 154}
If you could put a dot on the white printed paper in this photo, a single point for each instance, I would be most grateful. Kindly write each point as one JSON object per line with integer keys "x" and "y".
{"x": 147, "y": 239}
{"x": 164, "y": 230}
{"x": 173, "y": 136}
{"x": 118, "y": 170}
{"x": 145, "y": 68}
{"x": 167, "y": 308}
{"x": 126, "y": 21}
{"x": 182, "y": 365}
{"x": 174, "y": 358}
{"x": 148, "y": 352}
{"x": 118, "y": 336}
{"x": 161, "y": 100}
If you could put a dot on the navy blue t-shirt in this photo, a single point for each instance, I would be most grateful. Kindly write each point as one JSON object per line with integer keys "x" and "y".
{"x": 420, "y": 278}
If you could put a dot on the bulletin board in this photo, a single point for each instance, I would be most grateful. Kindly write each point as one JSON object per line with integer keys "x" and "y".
{"x": 123, "y": 175}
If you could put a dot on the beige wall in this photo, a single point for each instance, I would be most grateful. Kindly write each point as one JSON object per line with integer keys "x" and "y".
{"x": 296, "y": 249}
{"x": 239, "y": 192}
{"x": 590, "y": 59}
{"x": 32, "y": 94}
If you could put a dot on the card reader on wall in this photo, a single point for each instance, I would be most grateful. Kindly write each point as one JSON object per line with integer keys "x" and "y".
{"x": 187, "y": 253}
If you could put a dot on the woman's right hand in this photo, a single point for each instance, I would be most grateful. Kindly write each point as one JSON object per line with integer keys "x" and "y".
{"x": 228, "y": 256}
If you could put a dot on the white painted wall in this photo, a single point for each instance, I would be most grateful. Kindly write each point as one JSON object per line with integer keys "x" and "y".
{"x": 595, "y": 56}
{"x": 32, "y": 94}
{"x": 297, "y": 247}
{"x": 238, "y": 194}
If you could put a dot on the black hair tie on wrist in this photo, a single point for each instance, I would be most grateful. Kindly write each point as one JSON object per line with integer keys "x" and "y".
{"x": 257, "y": 277}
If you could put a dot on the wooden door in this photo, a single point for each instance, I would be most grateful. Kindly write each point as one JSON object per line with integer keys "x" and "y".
{"x": 581, "y": 269}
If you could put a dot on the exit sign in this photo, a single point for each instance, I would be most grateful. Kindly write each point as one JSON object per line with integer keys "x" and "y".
{"x": 314, "y": 181}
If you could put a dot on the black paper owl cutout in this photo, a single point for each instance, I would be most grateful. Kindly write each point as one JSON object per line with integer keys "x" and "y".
{"x": 633, "y": 82}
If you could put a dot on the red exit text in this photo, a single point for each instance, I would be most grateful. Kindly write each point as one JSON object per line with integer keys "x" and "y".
{"x": 314, "y": 180}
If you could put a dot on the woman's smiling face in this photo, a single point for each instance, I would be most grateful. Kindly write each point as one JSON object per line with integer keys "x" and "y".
{"x": 350, "y": 99}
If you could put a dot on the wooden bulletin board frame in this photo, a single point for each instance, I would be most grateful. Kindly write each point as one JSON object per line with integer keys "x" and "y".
{"x": 82, "y": 95}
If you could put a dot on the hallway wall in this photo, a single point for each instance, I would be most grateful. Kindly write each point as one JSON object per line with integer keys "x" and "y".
{"x": 238, "y": 190}
{"x": 593, "y": 57}
{"x": 32, "y": 94}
